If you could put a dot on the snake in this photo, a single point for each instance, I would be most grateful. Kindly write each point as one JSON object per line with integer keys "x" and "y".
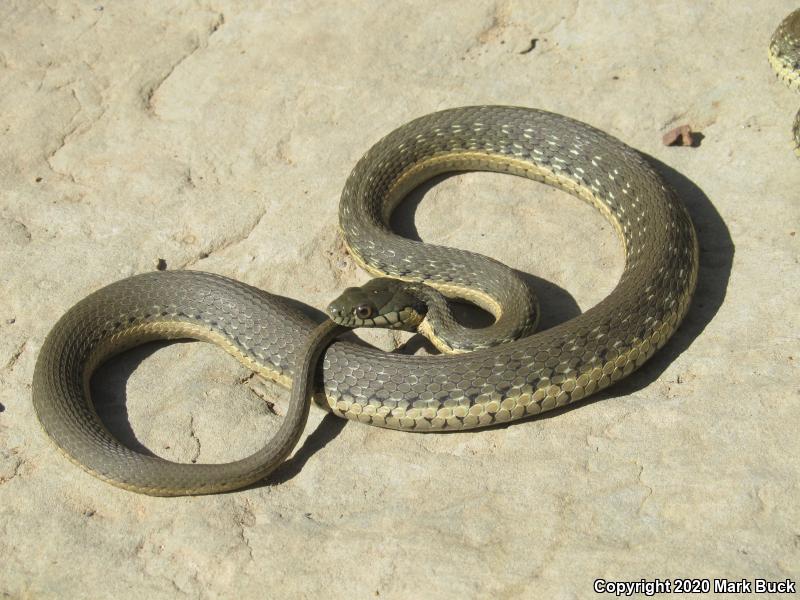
{"x": 784, "y": 56}
{"x": 483, "y": 377}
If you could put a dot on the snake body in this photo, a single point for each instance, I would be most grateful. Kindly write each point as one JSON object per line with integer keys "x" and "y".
{"x": 417, "y": 393}
{"x": 784, "y": 56}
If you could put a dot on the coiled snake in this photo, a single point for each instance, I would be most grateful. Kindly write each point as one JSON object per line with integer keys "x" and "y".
{"x": 492, "y": 384}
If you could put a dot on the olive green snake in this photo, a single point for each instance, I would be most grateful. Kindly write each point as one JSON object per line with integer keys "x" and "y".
{"x": 498, "y": 381}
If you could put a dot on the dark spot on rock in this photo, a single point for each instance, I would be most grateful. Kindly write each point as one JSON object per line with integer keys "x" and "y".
{"x": 161, "y": 264}
{"x": 531, "y": 46}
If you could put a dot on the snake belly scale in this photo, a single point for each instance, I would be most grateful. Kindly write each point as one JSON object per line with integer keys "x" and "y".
{"x": 417, "y": 393}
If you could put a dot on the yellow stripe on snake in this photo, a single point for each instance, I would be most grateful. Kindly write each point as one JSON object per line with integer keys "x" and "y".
{"x": 498, "y": 381}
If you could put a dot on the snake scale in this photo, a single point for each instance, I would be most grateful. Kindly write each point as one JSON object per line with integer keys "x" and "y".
{"x": 784, "y": 56}
{"x": 517, "y": 379}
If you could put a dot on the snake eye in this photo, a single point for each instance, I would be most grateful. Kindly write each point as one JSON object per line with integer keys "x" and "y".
{"x": 363, "y": 311}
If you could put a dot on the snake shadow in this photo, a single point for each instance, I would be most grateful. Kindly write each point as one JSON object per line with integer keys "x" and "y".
{"x": 108, "y": 387}
{"x": 716, "y": 261}
{"x": 326, "y": 431}
{"x": 557, "y": 305}
{"x": 108, "y": 392}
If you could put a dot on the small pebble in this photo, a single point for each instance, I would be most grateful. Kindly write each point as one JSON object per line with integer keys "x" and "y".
{"x": 680, "y": 136}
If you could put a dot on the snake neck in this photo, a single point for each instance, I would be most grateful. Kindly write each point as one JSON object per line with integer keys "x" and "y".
{"x": 443, "y": 330}
{"x": 434, "y": 273}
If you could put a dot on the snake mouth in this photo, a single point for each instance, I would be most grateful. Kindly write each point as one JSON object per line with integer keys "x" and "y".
{"x": 343, "y": 321}
{"x": 339, "y": 317}
{"x": 390, "y": 321}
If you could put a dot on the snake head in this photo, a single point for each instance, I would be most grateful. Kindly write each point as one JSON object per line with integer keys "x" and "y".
{"x": 381, "y": 302}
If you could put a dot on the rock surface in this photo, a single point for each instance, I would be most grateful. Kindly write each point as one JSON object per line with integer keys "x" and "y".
{"x": 217, "y": 137}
